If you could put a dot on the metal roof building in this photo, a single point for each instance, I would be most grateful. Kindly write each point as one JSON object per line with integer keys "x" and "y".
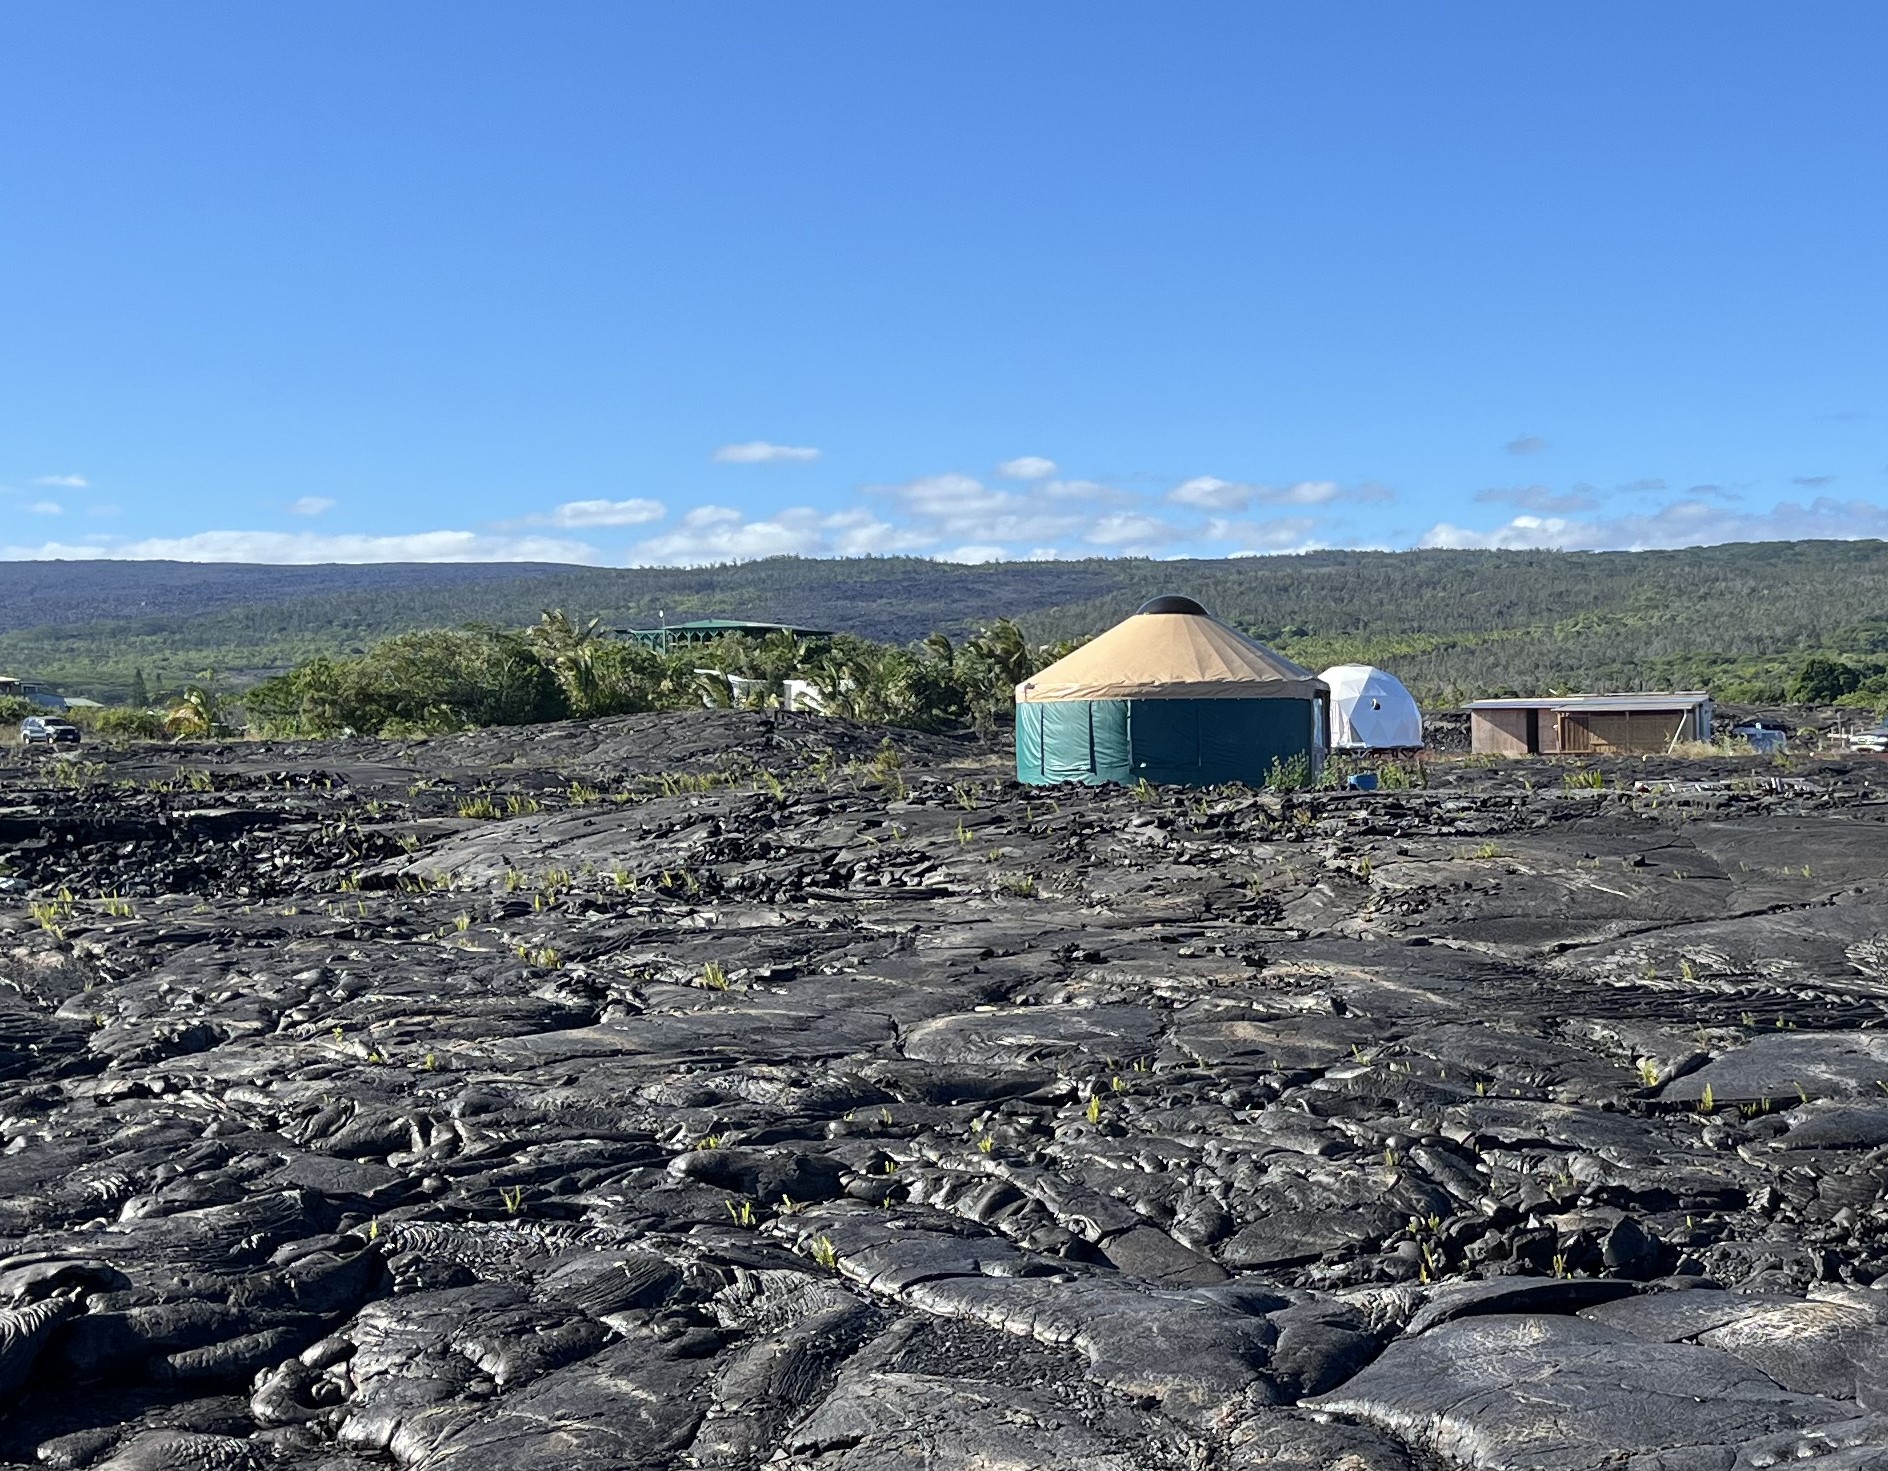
{"x": 27, "y": 689}
{"x": 707, "y": 630}
{"x": 1589, "y": 724}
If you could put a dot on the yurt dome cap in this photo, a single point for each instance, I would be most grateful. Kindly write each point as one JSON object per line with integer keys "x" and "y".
{"x": 1157, "y": 656}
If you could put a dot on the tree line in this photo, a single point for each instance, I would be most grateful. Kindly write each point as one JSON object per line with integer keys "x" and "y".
{"x": 1740, "y": 621}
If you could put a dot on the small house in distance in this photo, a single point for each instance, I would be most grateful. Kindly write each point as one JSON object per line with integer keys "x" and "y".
{"x": 26, "y": 689}
{"x": 1589, "y": 724}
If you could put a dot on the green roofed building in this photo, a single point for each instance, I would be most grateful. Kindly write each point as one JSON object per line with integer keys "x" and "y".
{"x": 707, "y": 630}
{"x": 1173, "y": 696}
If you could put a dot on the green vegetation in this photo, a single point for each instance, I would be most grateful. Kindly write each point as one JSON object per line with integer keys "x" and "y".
{"x": 1740, "y": 620}
{"x": 413, "y": 684}
{"x": 253, "y": 622}
{"x": 129, "y": 723}
{"x": 441, "y": 680}
{"x": 1286, "y": 776}
{"x": 1752, "y": 622}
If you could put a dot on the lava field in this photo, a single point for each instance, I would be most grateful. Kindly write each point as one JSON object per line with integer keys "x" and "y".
{"x": 733, "y": 1089}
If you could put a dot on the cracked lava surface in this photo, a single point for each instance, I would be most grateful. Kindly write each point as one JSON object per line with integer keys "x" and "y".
{"x": 713, "y": 1091}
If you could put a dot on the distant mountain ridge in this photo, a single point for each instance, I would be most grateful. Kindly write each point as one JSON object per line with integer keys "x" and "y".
{"x": 50, "y": 594}
{"x": 1451, "y": 623}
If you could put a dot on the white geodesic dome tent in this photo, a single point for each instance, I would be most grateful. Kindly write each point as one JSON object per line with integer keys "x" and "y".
{"x": 1371, "y": 711}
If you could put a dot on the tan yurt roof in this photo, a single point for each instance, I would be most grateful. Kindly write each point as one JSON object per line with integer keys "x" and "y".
{"x": 1171, "y": 650}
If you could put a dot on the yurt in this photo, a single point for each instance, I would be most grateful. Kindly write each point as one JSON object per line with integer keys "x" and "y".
{"x": 1171, "y": 695}
{"x": 1371, "y": 711}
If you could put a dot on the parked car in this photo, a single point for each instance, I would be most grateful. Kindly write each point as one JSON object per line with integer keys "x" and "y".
{"x": 46, "y": 730}
{"x": 1875, "y": 738}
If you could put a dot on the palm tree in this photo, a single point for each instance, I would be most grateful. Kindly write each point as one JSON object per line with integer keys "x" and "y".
{"x": 715, "y": 689}
{"x": 1003, "y": 645}
{"x": 569, "y": 648}
{"x": 195, "y": 716}
{"x": 990, "y": 666}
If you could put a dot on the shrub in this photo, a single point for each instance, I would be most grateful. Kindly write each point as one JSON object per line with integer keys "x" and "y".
{"x": 119, "y": 722}
{"x": 414, "y": 684}
{"x": 1289, "y": 775}
{"x": 1823, "y": 681}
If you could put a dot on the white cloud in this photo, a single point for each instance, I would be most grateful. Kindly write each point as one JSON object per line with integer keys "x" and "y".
{"x": 1253, "y": 538}
{"x": 1210, "y": 493}
{"x": 952, "y": 515}
{"x": 1525, "y": 444}
{"x": 760, "y": 452}
{"x": 608, "y": 513}
{"x": 1306, "y": 493}
{"x": 47, "y": 508}
{"x": 949, "y": 495}
{"x": 1326, "y": 492}
{"x": 310, "y": 505}
{"x": 1092, "y": 491}
{"x": 961, "y": 508}
{"x": 858, "y": 533}
{"x": 1541, "y": 498}
{"x": 64, "y": 482}
{"x": 1683, "y": 523}
{"x": 962, "y": 518}
{"x": 1026, "y": 467}
{"x": 1522, "y": 531}
{"x": 1132, "y": 530}
{"x": 721, "y": 534}
{"x": 301, "y": 547}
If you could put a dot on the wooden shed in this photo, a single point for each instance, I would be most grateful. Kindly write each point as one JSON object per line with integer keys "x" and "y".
{"x": 1589, "y": 724}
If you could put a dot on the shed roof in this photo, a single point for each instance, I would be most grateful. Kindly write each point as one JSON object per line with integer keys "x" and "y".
{"x": 1185, "y": 654}
{"x": 726, "y": 623}
{"x": 1599, "y": 704}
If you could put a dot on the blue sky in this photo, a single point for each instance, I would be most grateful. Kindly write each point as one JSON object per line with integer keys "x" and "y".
{"x": 681, "y": 283}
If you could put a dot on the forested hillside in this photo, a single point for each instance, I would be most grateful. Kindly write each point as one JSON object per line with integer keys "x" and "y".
{"x": 892, "y": 599}
{"x": 1739, "y": 619}
{"x": 48, "y": 594}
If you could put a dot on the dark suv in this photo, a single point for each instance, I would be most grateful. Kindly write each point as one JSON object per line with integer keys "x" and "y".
{"x": 46, "y": 730}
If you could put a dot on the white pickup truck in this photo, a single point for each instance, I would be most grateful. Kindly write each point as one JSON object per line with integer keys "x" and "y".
{"x": 1875, "y": 738}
